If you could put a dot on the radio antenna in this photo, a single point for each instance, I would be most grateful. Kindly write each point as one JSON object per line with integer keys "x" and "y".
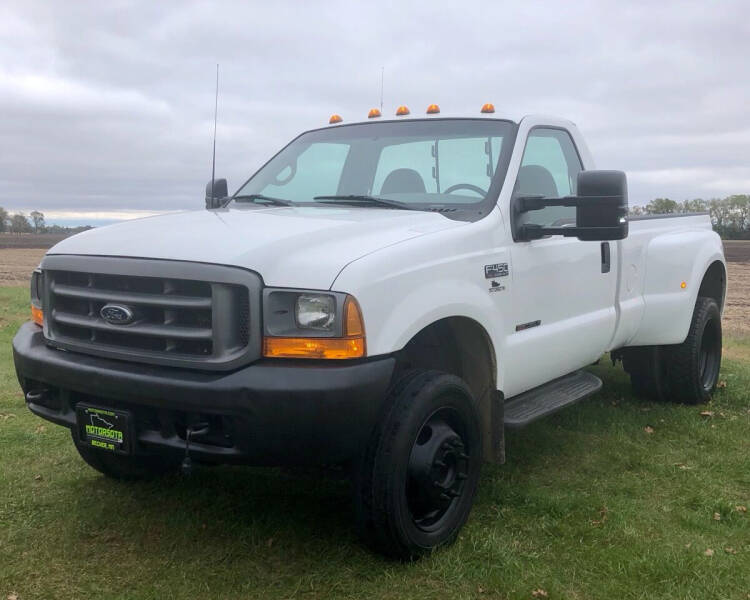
{"x": 216, "y": 112}
{"x": 382, "y": 73}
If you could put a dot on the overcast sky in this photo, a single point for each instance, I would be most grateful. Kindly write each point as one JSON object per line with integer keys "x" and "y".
{"x": 107, "y": 107}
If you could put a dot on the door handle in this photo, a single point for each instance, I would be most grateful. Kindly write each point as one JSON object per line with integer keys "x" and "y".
{"x": 606, "y": 257}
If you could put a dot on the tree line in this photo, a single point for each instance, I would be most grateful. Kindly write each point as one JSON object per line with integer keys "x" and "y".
{"x": 730, "y": 216}
{"x": 34, "y": 223}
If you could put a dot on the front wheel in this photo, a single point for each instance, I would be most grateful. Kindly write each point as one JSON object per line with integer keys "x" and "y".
{"x": 420, "y": 470}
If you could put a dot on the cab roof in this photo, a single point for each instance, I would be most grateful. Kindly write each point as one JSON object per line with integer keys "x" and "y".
{"x": 337, "y": 120}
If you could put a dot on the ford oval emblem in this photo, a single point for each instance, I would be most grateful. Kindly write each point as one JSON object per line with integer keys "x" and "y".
{"x": 117, "y": 314}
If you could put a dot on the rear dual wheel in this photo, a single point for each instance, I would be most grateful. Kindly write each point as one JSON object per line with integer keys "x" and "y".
{"x": 686, "y": 373}
{"x": 420, "y": 471}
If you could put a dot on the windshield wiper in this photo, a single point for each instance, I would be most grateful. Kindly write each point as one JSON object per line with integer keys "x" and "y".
{"x": 363, "y": 200}
{"x": 262, "y": 198}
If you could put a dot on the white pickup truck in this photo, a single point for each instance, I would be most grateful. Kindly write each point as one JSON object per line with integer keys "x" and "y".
{"x": 388, "y": 295}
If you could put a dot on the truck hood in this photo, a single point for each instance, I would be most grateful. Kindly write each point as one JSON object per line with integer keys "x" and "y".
{"x": 304, "y": 247}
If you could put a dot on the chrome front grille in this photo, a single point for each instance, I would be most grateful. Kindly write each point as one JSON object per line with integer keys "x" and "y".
{"x": 182, "y": 314}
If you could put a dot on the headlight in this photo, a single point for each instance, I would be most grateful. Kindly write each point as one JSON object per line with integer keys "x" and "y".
{"x": 37, "y": 312}
{"x": 311, "y": 324}
{"x": 315, "y": 311}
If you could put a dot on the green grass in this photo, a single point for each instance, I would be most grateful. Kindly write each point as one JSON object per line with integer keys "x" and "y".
{"x": 589, "y": 505}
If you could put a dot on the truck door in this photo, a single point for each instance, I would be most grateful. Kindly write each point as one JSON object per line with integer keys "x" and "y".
{"x": 563, "y": 303}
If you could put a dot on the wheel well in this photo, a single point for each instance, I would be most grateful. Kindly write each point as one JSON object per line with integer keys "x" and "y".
{"x": 462, "y": 347}
{"x": 714, "y": 283}
{"x": 456, "y": 345}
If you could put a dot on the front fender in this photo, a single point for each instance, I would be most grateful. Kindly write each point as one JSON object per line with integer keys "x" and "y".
{"x": 671, "y": 259}
{"x": 406, "y": 287}
{"x": 438, "y": 300}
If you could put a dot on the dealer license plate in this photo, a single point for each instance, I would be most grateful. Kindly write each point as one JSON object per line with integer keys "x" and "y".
{"x": 104, "y": 428}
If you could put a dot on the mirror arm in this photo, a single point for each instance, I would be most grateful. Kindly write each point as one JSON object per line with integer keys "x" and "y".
{"x": 534, "y": 232}
{"x": 528, "y": 203}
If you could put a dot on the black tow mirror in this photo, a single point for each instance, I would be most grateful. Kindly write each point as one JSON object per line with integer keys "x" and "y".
{"x": 216, "y": 192}
{"x": 601, "y": 209}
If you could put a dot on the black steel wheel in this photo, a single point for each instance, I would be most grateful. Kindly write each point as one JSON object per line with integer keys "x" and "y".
{"x": 710, "y": 355}
{"x": 694, "y": 365}
{"x": 437, "y": 473}
{"x": 419, "y": 474}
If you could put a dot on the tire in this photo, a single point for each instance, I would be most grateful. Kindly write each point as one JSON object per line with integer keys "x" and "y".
{"x": 646, "y": 366}
{"x": 127, "y": 468}
{"x": 684, "y": 373}
{"x": 419, "y": 473}
{"x": 693, "y": 366}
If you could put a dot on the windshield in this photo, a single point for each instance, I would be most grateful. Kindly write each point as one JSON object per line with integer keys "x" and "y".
{"x": 420, "y": 164}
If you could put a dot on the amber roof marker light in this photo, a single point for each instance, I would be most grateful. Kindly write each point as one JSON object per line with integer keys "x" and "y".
{"x": 402, "y": 111}
{"x": 488, "y": 108}
{"x": 374, "y": 113}
{"x": 433, "y": 109}
{"x": 335, "y": 119}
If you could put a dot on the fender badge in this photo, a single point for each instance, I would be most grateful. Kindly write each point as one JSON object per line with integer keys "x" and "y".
{"x": 496, "y": 287}
{"x": 529, "y": 325}
{"x": 496, "y": 270}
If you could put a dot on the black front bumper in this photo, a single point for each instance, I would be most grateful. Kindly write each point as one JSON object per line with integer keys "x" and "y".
{"x": 271, "y": 412}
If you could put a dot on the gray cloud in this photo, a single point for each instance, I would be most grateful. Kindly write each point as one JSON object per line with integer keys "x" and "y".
{"x": 108, "y": 106}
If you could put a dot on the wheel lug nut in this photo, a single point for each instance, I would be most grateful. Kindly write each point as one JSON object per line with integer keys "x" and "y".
{"x": 444, "y": 496}
{"x": 454, "y": 494}
{"x": 439, "y": 463}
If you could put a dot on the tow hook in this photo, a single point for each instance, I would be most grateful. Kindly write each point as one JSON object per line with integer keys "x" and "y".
{"x": 197, "y": 429}
{"x": 35, "y": 396}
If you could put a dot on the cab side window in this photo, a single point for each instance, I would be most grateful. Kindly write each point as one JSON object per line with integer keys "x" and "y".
{"x": 549, "y": 168}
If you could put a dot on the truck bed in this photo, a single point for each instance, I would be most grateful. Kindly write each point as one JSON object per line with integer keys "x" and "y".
{"x": 661, "y": 266}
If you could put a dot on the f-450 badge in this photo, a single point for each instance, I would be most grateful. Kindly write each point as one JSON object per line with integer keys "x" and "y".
{"x": 496, "y": 270}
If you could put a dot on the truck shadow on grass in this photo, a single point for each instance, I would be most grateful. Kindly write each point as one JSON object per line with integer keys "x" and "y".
{"x": 221, "y": 508}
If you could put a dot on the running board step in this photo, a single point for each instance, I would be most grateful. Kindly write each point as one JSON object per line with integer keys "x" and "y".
{"x": 550, "y": 398}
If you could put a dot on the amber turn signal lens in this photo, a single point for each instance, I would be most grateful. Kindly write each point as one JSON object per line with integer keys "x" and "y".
{"x": 488, "y": 108}
{"x": 335, "y": 119}
{"x": 37, "y": 315}
{"x": 335, "y": 348}
{"x": 353, "y": 324}
{"x": 402, "y": 110}
{"x": 373, "y": 114}
{"x": 433, "y": 109}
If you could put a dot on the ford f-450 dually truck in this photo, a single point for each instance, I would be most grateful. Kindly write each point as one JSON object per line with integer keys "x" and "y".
{"x": 387, "y": 296}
